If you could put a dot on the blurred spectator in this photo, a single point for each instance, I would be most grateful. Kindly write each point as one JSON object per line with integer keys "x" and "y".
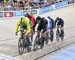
{"x": 25, "y": 4}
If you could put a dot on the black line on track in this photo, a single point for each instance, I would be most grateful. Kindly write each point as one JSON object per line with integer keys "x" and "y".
{"x": 56, "y": 49}
{"x": 52, "y": 51}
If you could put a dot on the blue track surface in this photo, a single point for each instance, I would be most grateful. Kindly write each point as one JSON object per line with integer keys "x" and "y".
{"x": 67, "y": 54}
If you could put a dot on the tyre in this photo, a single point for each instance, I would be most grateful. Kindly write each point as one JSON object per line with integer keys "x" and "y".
{"x": 57, "y": 36}
{"x": 21, "y": 46}
{"x": 28, "y": 49}
{"x": 28, "y": 44}
{"x": 51, "y": 38}
{"x": 41, "y": 40}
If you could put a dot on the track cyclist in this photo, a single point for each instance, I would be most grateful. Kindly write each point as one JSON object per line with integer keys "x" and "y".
{"x": 50, "y": 27}
{"x": 23, "y": 22}
{"x": 59, "y": 23}
{"x": 32, "y": 21}
{"x": 42, "y": 26}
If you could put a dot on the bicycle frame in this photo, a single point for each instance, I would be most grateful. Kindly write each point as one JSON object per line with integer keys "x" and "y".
{"x": 22, "y": 32}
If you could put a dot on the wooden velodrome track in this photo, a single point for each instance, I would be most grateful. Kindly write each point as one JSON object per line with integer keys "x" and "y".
{"x": 9, "y": 42}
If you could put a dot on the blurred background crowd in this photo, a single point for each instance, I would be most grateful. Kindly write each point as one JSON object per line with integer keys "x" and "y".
{"x": 8, "y": 5}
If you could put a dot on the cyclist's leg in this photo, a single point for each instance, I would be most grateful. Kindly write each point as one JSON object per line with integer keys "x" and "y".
{"x": 39, "y": 30}
{"x": 62, "y": 30}
{"x": 31, "y": 37}
{"x": 48, "y": 35}
{"x": 44, "y": 33}
{"x": 62, "y": 33}
{"x": 57, "y": 28}
{"x": 48, "y": 32}
{"x": 51, "y": 34}
{"x": 36, "y": 40}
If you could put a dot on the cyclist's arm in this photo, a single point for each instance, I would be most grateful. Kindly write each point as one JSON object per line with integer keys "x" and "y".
{"x": 17, "y": 25}
{"x": 35, "y": 23}
{"x": 62, "y": 23}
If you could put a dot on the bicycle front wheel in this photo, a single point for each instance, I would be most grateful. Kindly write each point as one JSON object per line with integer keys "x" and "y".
{"x": 21, "y": 46}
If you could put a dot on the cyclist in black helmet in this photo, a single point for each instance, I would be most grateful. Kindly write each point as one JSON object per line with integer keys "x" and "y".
{"x": 59, "y": 23}
{"x": 42, "y": 26}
